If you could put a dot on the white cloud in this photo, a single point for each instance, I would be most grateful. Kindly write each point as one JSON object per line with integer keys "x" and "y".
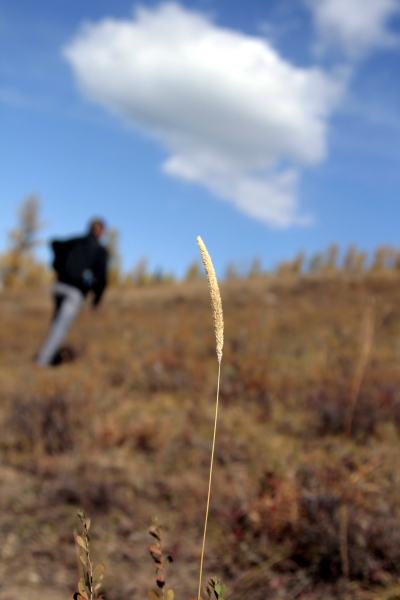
{"x": 356, "y": 26}
{"x": 235, "y": 116}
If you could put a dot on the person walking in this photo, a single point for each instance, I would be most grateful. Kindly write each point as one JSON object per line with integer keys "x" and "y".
{"x": 81, "y": 267}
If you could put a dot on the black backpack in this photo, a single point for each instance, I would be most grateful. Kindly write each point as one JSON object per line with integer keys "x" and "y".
{"x": 74, "y": 260}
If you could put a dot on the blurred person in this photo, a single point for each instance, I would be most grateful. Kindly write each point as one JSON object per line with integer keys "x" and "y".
{"x": 81, "y": 267}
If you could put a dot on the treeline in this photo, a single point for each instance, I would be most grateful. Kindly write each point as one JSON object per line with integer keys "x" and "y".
{"x": 384, "y": 259}
{"x": 19, "y": 266}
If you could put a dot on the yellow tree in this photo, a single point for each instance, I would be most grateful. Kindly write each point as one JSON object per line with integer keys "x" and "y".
{"x": 18, "y": 265}
{"x": 114, "y": 269}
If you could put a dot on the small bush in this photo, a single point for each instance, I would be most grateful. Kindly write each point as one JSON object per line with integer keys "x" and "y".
{"x": 42, "y": 423}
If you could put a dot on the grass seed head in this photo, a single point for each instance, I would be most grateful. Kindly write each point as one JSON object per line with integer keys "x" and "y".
{"x": 215, "y": 298}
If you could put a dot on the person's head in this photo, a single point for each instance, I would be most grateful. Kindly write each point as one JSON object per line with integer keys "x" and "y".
{"x": 97, "y": 227}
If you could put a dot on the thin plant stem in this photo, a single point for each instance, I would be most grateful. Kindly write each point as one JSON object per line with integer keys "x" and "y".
{"x": 209, "y": 482}
{"x": 344, "y": 544}
{"x": 368, "y": 336}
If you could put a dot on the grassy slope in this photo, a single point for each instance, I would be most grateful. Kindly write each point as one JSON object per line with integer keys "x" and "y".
{"x": 125, "y": 432}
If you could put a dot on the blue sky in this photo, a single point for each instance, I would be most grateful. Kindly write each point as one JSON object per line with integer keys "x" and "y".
{"x": 265, "y": 127}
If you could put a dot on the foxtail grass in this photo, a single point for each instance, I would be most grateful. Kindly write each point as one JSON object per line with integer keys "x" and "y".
{"x": 218, "y": 318}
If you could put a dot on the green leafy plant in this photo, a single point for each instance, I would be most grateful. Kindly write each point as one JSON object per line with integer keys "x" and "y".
{"x": 91, "y": 579}
{"x": 215, "y": 589}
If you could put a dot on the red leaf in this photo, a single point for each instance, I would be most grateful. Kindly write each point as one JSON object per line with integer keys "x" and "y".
{"x": 160, "y": 582}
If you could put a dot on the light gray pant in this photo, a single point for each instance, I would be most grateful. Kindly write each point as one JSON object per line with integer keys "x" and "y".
{"x": 71, "y": 301}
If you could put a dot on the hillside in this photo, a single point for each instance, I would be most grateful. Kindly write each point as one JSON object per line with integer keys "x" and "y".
{"x": 299, "y": 508}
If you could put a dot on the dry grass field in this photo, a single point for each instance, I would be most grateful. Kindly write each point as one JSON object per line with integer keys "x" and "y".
{"x": 300, "y": 507}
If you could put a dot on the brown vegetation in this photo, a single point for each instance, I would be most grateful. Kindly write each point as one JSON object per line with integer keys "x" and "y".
{"x": 299, "y": 508}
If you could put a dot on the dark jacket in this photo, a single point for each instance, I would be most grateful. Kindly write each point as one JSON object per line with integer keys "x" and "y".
{"x": 82, "y": 262}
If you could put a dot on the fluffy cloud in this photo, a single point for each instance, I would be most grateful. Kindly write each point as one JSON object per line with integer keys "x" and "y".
{"x": 357, "y": 26}
{"x": 233, "y": 114}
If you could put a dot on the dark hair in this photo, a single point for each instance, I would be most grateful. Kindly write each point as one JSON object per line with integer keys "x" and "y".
{"x": 95, "y": 223}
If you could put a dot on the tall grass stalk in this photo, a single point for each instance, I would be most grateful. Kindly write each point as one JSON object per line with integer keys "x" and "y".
{"x": 367, "y": 339}
{"x": 219, "y": 337}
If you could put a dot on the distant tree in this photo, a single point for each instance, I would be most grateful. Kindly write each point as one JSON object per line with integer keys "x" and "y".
{"x": 316, "y": 263}
{"x": 350, "y": 259}
{"x": 385, "y": 258}
{"x": 160, "y": 276}
{"x": 332, "y": 258}
{"x": 141, "y": 276}
{"x": 114, "y": 268}
{"x": 396, "y": 264}
{"x": 18, "y": 265}
{"x": 298, "y": 263}
{"x": 283, "y": 268}
{"x": 361, "y": 261}
{"x": 232, "y": 271}
{"x": 194, "y": 272}
{"x": 291, "y": 267}
{"x": 255, "y": 268}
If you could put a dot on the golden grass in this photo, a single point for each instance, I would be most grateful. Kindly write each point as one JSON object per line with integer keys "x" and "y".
{"x": 216, "y": 304}
{"x": 123, "y": 432}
